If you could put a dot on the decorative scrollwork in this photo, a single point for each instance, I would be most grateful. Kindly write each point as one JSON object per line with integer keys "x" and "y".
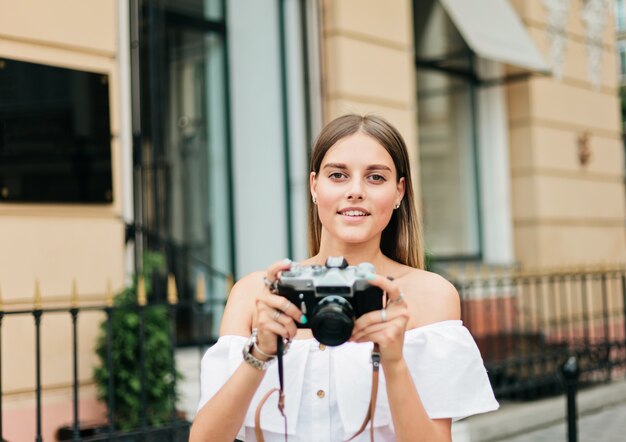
{"x": 558, "y": 11}
{"x": 594, "y": 15}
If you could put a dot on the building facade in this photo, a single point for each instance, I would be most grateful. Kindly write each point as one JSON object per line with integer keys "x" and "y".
{"x": 566, "y": 149}
{"x": 510, "y": 111}
{"x": 43, "y": 242}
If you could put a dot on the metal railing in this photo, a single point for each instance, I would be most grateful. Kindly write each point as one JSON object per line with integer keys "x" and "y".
{"x": 527, "y": 324}
{"x": 175, "y": 428}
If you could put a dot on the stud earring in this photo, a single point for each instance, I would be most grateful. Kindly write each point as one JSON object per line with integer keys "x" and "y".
{"x": 314, "y": 200}
{"x": 397, "y": 206}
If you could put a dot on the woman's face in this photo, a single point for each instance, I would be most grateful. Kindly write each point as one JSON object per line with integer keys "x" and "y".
{"x": 356, "y": 189}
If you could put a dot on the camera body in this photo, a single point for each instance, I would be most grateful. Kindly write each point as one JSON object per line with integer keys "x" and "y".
{"x": 331, "y": 296}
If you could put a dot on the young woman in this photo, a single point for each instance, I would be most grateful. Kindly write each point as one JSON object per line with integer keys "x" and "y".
{"x": 362, "y": 208}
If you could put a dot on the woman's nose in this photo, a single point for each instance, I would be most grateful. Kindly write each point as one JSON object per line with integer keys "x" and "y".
{"x": 355, "y": 192}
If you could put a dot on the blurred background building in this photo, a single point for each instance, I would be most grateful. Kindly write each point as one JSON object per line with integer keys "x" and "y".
{"x": 184, "y": 127}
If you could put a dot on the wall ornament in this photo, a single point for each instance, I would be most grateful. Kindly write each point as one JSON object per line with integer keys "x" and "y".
{"x": 558, "y": 11}
{"x": 594, "y": 15}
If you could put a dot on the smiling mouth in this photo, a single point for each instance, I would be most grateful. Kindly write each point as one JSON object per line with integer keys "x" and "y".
{"x": 353, "y": 213}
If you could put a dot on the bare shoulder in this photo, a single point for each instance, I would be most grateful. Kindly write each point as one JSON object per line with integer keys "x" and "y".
{"x": 430, "y": 297}
{"x": 237, "y": 318}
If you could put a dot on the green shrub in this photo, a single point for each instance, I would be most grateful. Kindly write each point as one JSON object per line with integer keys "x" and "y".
{"x": 126, "y": 358}
{"x": 429, "y": 261}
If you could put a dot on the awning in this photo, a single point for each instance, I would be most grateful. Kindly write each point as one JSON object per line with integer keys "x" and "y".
{"x": 493, "y": 30}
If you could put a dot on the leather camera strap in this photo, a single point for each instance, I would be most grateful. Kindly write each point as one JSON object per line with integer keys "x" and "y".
{"x": 281, "y": 396}
{"x": 369, "y": 417}
{"x": 257, "y": 415}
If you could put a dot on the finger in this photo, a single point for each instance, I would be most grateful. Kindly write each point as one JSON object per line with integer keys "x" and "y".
{"x": 276, "y": 302}
{"x": 268, "y": 330}
{"x": 380, "y": 332}
{"x": 383, "y": 338}
{"x": 285, "y": 320}
{"x": 375, "y": 317}
{"x": 291, "y": 327}
{"x": 387, "y": 285}
{"x": 269, "y": 304}
{"x": 273, "y": 270}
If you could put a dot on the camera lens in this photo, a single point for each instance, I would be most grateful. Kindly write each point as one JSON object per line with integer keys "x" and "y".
{"x": 332, "y": 320}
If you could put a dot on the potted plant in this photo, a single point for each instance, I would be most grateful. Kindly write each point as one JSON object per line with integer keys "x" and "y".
{"x": 126, "y": 357}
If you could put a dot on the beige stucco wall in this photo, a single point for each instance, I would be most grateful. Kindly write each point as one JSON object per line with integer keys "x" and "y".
{"x": 56, "y": 244}
{"x": 368, "y": 66}
{"x": 566, "y": 213}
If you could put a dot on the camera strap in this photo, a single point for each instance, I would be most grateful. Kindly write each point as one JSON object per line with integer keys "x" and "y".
{"x": 281, "y": 395}
{"x": 369, "y": 417}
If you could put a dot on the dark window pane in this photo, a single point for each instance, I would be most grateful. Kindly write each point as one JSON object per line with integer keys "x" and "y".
{"x": 55, "y": 135}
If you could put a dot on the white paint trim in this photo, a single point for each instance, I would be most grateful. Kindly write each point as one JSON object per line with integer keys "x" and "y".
{"x": 125, "y": 133}
{"x": 257, "y": 138}
{"x": 297, "y": 143}
{"x": 494, "y": 169}
{"x": 315, "y": 67}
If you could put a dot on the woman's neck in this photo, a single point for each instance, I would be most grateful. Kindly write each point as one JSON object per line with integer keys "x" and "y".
{"x": 353, "y": 253}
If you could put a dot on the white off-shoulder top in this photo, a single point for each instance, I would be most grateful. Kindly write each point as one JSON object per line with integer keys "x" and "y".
{"x": 327, "y": 389}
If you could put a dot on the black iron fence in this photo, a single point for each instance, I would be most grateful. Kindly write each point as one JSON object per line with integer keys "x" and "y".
{"x": 527, "y": 324}
{"x": 127, "y": 349}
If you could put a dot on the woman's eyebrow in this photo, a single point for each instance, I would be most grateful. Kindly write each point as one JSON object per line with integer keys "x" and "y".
{"x": 370, "y": 167}
{"x": 379, "y": 167}
{"x": 335, "y": 166}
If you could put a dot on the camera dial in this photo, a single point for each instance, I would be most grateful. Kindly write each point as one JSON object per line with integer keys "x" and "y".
{"x": 365, "y": 268}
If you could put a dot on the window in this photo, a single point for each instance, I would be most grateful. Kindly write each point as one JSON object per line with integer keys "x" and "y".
{"x": 448, "y": 165}
{"x": 620, "y": 16}
{"x": 182, "y": 157}
{"x": 447, "y": 135}
{"x": 622, "y": 58}
{"x": 55, "y": 136}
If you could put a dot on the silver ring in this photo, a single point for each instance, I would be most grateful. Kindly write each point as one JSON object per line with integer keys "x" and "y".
{"x": 276, "y": 315}
{"x": 271, "y": 285}
{"x": 383, "y": 315}
{"x": 286, "y": 306}
{"x": 400, "y": 298}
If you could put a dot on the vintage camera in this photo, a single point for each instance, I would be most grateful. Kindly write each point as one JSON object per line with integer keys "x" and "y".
{"x": 331, "y": 297}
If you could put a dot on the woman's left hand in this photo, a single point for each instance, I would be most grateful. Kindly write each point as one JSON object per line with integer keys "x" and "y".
{"x": 386, "y": 327}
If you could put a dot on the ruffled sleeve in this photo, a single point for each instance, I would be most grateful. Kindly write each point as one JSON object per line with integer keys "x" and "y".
{"x": 448, "y": 371}
{"x": 222, "y": 360}
{"x": 216, "y": 368}
{"x": 446, "y": 368}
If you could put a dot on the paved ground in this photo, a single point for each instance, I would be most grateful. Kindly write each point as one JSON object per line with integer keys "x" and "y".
{"x": 188, "y": 363}
{"x": 601, "y": 411}
{"x": 606, "y": 425}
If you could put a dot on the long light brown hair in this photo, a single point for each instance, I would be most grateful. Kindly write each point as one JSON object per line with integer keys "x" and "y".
{"x": 401, "y": 240}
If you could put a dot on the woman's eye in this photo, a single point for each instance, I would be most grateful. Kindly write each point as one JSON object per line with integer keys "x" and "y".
{"x": 377, "y": 178}
{"x": 336, "y": 175}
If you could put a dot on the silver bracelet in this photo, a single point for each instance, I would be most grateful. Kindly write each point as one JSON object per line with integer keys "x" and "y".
{"x": 262, "y": 353}
{"x": 286, "y": 345}
{"x": 249, "y": 358}
{"x": 256, "y": 363}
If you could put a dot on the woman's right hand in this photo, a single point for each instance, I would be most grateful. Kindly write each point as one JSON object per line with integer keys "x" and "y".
{"x": 274, "y": 315}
